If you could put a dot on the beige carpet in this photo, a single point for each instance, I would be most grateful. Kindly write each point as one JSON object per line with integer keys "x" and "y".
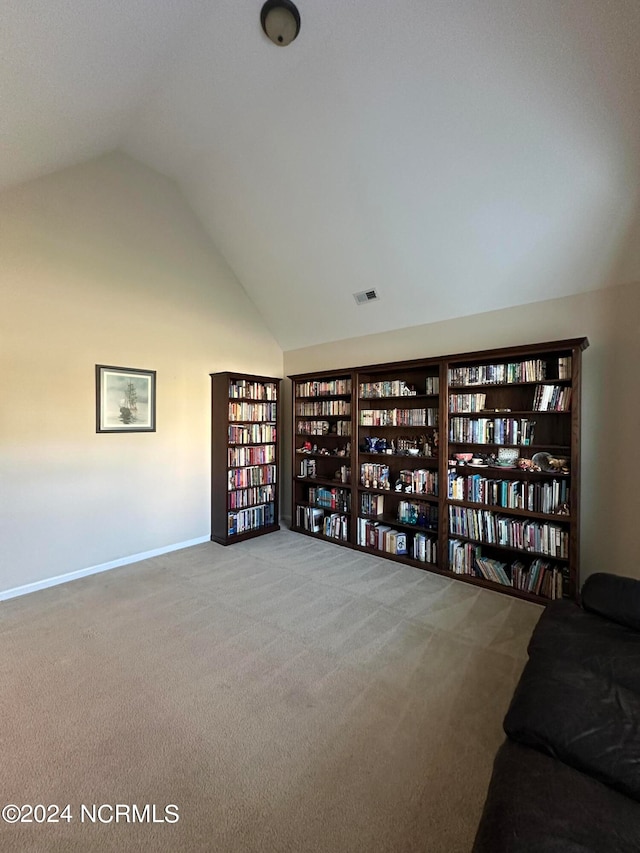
{"x": 284, "y": 693}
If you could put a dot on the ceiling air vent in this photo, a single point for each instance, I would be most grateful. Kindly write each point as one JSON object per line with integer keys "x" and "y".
{"x": 365, "y": 296}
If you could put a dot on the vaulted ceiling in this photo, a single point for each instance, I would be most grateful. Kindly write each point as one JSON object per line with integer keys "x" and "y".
{"x": 454, "y": 155}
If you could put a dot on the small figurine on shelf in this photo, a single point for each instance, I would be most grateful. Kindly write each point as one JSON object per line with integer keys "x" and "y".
{"x": 306, "y": 447}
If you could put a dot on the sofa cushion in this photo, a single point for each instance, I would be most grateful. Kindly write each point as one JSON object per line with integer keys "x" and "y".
{"x": 581, "y": 717}
{"x": 536, "y": 804}
{"x": 613, "y": 597}
{"x": 607, "y": 648}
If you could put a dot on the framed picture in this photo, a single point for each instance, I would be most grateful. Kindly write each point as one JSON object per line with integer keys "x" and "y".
{"x": 125, "y": 399}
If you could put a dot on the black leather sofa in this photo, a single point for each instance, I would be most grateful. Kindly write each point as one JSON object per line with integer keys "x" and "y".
{"x": 567, "y": 778}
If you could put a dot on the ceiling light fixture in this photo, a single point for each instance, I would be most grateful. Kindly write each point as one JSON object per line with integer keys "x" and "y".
{"x": 281, "y": 21}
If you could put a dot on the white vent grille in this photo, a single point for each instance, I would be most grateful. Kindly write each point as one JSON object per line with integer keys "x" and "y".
{"x": 365, "y": 296}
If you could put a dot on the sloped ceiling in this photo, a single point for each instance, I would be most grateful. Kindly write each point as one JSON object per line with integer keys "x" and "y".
{"x": 455, "y": 156}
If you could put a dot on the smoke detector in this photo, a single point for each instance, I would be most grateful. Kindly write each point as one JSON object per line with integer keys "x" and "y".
{"x": 365, "y": 296}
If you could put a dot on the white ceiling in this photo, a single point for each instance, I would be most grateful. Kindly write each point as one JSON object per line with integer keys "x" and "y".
{"x": 456, "y": 155}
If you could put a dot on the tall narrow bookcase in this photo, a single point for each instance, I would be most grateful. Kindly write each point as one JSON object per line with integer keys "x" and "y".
{"x": 323, "y": 427}
{"x": 466, "y": 465}
{"x": 245, "y": 429}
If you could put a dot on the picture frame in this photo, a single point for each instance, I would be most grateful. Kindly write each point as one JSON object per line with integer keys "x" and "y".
{"x": 125, "y": 399}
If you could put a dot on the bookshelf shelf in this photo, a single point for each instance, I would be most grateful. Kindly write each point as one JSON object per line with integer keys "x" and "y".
{"x": 245, "y": 479}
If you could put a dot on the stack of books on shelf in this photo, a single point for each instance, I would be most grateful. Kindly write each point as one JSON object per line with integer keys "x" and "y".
{"x": 492, "y": 570}
{"x": 518, "y": 431}
{"x": 323, "y": 388}
{"x": 238, "y": 456}
{"x": 532, "y": 370}
{"x": 420, "y": 514}
{"x": 371, "y": 504}
{"x": 374, "y": 475}
{"x": 313, "y": 427}
{"x": 545, "y": 497}
{"x": 541, "y": 578}
{"x": 245, "y": 497}
{"x": 564, "y": 367}
{"x": 309, "y": 518}
{"x": 424, "y": 548}
{"x": 336, "y": 526}
{"x": 252, "y": 411}
{"x": 552, "y": 398}
{"x": 487, "y": 526}
{"x": 250, "y": 519}
{"x": 422, "y": 481}
{"x": 399, "y": 417}
{"x": 252, "y": 433}
{"x": 467, "y": 402}
{"x": 253, "y": 390}
{"x": 258, "y": 475}
{"x": 462, "y": 557}
{"x": 381, "y": 537}
{"x": 323, "y": 407}
{"x": 330, "y": 498}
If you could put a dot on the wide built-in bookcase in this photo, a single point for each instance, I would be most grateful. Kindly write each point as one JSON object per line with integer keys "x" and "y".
{"x": 245, "y": 429}
{"x": 467, "y": 465}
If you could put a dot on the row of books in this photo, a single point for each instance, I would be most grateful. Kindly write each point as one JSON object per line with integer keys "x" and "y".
{"x": 374, "y": 475}
{"x": 552, "y": 398}
{"x": 462, "y": 557}
{"x": 531, "y": 370}
{"x": 250, "y": 519}
{"x": 260, "y": 455}
{"x": 339, "y": 499}
{"x": 323, "y": 407}
{"x": 399, "y": 417}
{"x": 564, "y": 367}
{"x": 511, "y": 494}
{"x": 371, "y": 504}
{"x": 323, "y": 428}
{"x": 397, "y": 388}
{"x": 323, "y": 388}
{"x": 418, "y": 513}
{"x": 381, "y": 537}
{"x": 424, "y": 548}
{"x": 334, "y": 525}
{"x": 257, "y": 475}
{"x": 422, "y": 481}
{"x": 253, "y": 390}
{"x": 526, "y": 535}
{"x": 540, "y": 578}
{"x": 251, "y": 433}
{"x": 253, "y": 411}
{"x": 467, "y": 402}
{"x": 246, "y": 497}
{"x": 492, "y": 430}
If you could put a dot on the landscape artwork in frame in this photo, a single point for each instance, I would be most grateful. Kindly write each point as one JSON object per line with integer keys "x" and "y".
{"x": 125, "y": 399}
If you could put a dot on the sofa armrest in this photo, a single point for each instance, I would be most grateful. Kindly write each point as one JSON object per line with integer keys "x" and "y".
{"x": 614, "y": 597}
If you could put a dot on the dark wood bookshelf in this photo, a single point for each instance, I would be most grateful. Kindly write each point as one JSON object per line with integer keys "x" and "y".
{"x": 556, "y": 432}
{"x": 259, "y": 510}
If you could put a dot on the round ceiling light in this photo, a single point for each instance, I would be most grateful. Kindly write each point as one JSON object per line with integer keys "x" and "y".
{"x": 281, "y": 21}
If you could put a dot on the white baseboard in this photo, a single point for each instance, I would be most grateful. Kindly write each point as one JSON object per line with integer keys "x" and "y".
{"x": 94, "y": 570}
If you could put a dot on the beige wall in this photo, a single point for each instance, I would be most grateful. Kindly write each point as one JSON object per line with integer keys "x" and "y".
{"x": 611, "y": 396}
{"x": 104, "y": 263}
